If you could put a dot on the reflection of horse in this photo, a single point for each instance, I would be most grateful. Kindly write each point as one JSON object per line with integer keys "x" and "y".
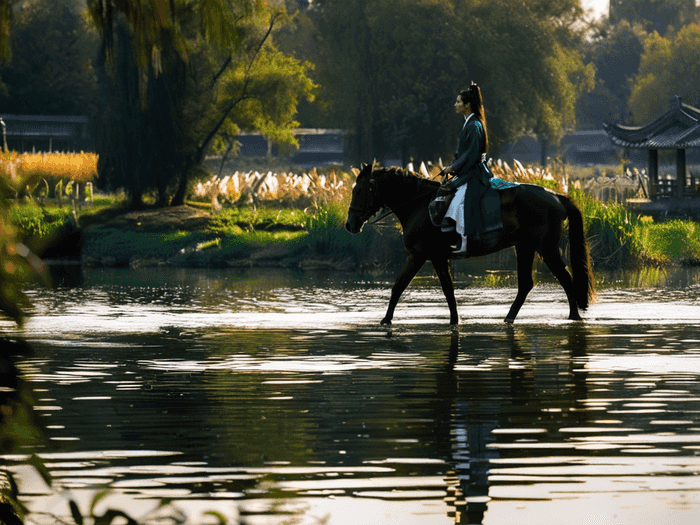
{"x": 533, "y": 218}
{"x": 520, "y": 391}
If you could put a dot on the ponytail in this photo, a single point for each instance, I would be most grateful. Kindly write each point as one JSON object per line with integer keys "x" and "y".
{"x": 473, "y": 97}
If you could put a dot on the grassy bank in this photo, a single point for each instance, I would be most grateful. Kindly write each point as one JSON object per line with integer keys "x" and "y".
{"x": 194, "y": 236}
{"x": 278, "y": 231}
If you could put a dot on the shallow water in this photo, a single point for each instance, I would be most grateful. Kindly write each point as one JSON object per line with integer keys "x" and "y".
{"x": 275, "y": 397}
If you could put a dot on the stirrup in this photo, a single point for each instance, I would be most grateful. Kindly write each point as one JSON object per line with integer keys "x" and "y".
{"x": 462, "y": 249}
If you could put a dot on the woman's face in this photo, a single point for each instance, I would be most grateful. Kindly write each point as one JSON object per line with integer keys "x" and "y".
{"x": 461, "y": 107}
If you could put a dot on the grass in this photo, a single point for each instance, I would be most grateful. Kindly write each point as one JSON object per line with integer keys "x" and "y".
{"x": 32, "y": 220}
{"x": 129, "y": 245}
{"x": 617, "y": 238}
{"x": 238, "y": 220}
{"x": 613, "y": 232}
{"x": 669, "y": 242}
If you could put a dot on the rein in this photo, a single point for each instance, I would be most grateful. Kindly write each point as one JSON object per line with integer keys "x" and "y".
{"x": 388, "y": 212}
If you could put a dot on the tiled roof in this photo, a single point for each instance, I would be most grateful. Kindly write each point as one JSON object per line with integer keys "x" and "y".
{"x": 679, "y": 128}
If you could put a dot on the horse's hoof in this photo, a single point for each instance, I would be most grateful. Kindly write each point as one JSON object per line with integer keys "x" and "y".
{"x": 508, "y": 320}
{"x": 385, "y": 321}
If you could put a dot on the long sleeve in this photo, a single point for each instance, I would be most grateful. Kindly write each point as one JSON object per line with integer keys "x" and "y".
{"x": 469, "y": 153}
{"x": 469, "y": 150}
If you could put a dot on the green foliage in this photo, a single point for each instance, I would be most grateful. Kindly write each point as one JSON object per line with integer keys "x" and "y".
{"x": 615, "y": 52}
{"x": 392, "y": 69}
{"x": 672, "y": 241}
{"x": 655, "y": 15}
{"x": 619, "y": 239}
{"x": 51, "y": 72}
{"x": 217, "y": 71}
{"x": 612, "y": 232}
{"x": 669, "y": 66}
{"x": 327, "y": 234}
{"x": 376, "y": 245}
{"x": 233, "y": 220}
{"x": 35, "y": 221}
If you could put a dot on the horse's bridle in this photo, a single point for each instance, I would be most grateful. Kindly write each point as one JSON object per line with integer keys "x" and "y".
{"x": 361, "y": 212}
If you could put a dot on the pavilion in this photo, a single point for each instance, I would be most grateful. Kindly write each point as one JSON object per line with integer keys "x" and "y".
{"x": 677, "y": 129}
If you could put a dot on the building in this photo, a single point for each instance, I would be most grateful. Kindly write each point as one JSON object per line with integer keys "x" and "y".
{"x": 676, "y": 130}
{"x": 317, "y": 147}
{"x": 47, "y": 133}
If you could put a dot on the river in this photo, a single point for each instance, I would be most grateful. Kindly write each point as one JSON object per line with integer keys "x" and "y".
{"x": 274, "y": 397}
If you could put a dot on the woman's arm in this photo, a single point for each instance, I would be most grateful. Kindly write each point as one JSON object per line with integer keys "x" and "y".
{"x": 472, "y": 151}
{"x": 469, "y": 157}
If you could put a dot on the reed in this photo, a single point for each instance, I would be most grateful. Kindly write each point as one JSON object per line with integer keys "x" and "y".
{"x": 47, "y": 169}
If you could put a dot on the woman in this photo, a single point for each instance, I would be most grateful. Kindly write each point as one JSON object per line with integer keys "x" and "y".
{"x": 471, "y": 178}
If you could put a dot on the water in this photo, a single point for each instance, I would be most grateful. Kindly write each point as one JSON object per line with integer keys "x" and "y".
{"x": 275, "y": 398}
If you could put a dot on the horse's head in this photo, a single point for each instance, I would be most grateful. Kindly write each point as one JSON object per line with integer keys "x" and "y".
{"x": 365, "y": 201}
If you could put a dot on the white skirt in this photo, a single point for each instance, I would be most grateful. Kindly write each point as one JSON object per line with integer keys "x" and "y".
{"x": 456, "y": 209}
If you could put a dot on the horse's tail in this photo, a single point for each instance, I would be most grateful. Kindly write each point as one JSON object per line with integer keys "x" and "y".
{"x": 584, "y": 287}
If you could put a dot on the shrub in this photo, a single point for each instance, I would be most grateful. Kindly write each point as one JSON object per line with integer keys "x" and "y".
{"x": 672, "y": 241}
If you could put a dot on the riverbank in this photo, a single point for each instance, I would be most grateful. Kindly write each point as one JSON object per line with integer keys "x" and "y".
{"x": 191, "y": 237}
{"x": 275, "y": 235}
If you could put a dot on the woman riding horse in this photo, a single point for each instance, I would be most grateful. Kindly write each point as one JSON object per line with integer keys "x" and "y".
{"x": 471, "y": 178}
{"x": 533, "y": 218}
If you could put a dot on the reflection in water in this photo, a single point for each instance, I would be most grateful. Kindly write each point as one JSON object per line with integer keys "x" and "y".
{"x": 263, "y": 397}
{"x": 481, "y": 413}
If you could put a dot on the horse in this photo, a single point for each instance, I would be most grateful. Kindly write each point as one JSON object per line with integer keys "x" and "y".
{"x": 533, "y": 220}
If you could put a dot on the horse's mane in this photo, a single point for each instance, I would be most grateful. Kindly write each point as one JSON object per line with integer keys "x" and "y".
{"x": 396, "y": 172}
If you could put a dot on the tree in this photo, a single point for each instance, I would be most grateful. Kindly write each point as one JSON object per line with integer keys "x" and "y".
{"x": 392, "y": 69}
{"x": 526, "y": 55}
{"x": 615, "y": 52}
{"x": 5, "y": 26}
{"x": 669, "y": 66}
{"x": 52, "y": 71}
{"x": 654, "y": 15}
{"x": 212, "y": 68}
{"x": 385, "y": 68}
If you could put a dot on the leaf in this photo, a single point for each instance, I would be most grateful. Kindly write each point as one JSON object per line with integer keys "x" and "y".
{"x": 220, "y": 517}
{"x": 75, "y": 512}
{"x": 110, "y": 515}
{"x": 36, "y": 462}
{"x": 8, "y": 515}
{"x": 98, "y": 497}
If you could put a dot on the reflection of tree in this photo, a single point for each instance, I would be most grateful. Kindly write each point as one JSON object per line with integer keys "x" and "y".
{"x": 472, "y": 405}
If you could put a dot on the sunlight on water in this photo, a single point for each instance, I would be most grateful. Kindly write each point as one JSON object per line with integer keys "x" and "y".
{"x": 281, "y": 400}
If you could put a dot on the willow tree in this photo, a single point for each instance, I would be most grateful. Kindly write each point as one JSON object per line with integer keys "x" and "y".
{"x": 179, "y": 73}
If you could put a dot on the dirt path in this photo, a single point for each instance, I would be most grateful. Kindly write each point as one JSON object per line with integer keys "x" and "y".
{"x": 175, "y": 218}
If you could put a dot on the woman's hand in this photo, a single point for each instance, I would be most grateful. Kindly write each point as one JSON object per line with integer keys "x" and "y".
{"x": 448, "y": 170}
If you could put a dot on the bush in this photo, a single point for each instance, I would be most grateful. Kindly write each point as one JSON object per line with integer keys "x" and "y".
{"x": 613, "y": 234}
{"x": 33, "y": 221}
{"x": 671, "y": 242}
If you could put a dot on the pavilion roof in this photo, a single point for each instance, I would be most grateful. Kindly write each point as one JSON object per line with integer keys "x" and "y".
{"x": 679, "y": 128}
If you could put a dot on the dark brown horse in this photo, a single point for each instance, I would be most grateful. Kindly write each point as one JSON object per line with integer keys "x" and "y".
{"x": 533, "y": 219}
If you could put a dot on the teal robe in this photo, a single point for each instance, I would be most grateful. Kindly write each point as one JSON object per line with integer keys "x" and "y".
{"x": 469, "y": 166}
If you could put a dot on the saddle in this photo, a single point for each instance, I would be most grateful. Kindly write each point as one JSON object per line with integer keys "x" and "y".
{"x": 489, "y": 207}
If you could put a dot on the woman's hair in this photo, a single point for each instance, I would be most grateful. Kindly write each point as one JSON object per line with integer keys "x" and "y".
{"x": 472, "y": 96}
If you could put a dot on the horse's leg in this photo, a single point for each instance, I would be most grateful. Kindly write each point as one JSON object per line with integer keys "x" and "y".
{"x": 413, "y": 264}
{"x": 526, "y": 256}
{"x": 442, "y": 269}
{"x": 554, "y": 262}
